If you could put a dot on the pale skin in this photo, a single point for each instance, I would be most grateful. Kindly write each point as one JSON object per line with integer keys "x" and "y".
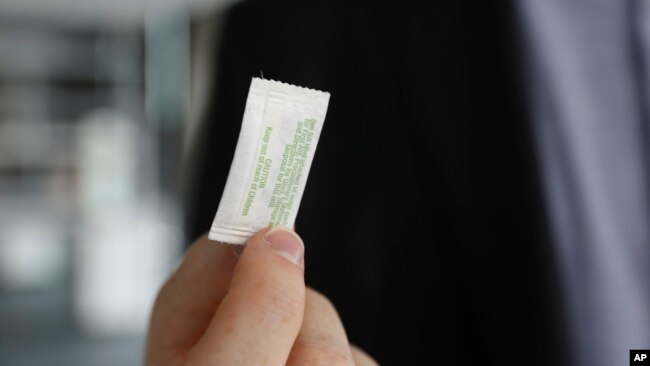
{"x": 250, "y": 307}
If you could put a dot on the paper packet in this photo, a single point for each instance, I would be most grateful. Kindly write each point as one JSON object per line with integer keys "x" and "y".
{"x": 277, "y": 141}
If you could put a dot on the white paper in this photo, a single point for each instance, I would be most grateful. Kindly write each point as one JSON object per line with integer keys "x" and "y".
{"x": 277, "y": 141}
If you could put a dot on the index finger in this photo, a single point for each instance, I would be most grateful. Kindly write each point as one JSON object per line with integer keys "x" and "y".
{"x": 188, "y": 300}
{"x": 260, "y": 316}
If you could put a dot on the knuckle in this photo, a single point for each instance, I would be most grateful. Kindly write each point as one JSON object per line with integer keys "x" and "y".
{"x": 163, "y": 295}
{"x": 319, "y": 301}
{"x": 164, "y": 300}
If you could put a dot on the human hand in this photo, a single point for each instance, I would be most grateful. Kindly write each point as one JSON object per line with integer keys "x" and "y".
{"x": 220, "y": 308}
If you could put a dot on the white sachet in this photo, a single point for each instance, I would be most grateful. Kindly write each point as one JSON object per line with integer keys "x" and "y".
{"x": 277, "y": 141}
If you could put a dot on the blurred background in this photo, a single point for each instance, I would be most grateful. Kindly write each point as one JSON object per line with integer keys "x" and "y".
{"x": 93, "y": 95}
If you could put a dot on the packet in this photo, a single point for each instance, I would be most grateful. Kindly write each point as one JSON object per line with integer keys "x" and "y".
{"x": 276, "y": 145}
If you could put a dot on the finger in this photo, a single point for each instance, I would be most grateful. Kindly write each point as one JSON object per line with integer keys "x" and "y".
{"x": 188, "y": 301}
{"x": 322, "y": 339}
{"x": 260, "y": 316}
{"x": 361, "y": 358}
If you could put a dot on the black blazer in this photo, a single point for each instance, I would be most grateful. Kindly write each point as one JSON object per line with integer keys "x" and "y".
{"x": 422, "y": 215}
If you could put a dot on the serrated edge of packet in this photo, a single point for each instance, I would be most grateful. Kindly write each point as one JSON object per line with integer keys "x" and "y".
{"x": 294, "y": 85}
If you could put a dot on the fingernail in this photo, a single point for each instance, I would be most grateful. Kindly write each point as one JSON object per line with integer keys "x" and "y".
{"x": 286, "y": 243}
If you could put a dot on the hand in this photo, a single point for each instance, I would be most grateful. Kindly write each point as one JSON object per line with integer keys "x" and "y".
{"x": 220, "y": 308}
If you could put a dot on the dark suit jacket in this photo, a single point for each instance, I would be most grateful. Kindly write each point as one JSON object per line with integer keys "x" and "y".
{"x": 422, "y": 215}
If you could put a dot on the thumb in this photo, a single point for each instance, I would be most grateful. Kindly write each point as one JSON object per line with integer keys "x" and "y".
{"x": 260, "y": 316}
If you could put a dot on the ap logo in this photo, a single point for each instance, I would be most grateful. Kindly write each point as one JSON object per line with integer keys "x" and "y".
{"x": 639, "y": 357}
